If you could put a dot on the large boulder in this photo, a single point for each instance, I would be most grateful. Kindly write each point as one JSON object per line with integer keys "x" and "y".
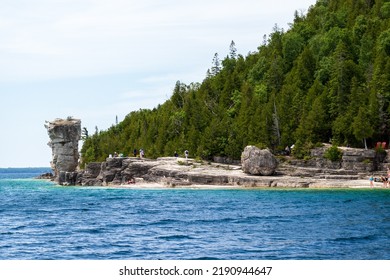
{"x": 258, "y": 162}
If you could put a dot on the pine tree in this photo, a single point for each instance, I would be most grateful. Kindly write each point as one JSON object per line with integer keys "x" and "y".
{"x": 361, "y": 126}
{"x": 233, "y": 50}
{"x": 327, "y": 77}
{"x": 216, "y": 65}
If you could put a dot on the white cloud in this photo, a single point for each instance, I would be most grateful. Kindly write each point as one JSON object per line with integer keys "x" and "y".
{"x": 53, "y": 39}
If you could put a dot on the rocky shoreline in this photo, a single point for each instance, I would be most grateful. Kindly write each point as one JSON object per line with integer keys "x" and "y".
{"x": 181, "y": 173}
{"x": 352, "y": 171}
{"x": 257, "y": 168}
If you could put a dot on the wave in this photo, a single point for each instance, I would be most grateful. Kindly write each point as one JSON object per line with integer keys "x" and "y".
{"x": 176, "y": 237}
{"x": 42, "y": 221}
{"x": 356, "y": 238}
{"x": 205, "y": 259}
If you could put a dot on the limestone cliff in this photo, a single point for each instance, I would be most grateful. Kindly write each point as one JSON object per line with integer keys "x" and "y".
{"x": 64, "y": 142}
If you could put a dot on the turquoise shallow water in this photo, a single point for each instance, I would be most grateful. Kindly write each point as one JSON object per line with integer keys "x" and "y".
{"x": 42, "y": 221}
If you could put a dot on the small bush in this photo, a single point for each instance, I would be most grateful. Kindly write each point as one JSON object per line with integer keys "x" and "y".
{"x": 380, "y": 154}
{"x": 261, "y": 146}
{"x": 333, "y": 154}
{"x": 281, "y": 158}
{"x": 318, "y": 145}
{"x": 307, "y": 158}
{"x": 380, "y": 151}
{"x": 302, "y": 150}
{"x": 198, "y": 160}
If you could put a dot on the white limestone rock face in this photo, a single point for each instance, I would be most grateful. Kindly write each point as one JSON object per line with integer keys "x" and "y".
{"x": 64, "y": 142}
{"x": 258, "y": 162}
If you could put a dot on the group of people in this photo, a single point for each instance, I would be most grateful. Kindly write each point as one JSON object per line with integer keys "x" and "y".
{"x": 384, "y": 179}
{"x": 135, "y": 153}
{"x": 142, "y": 154}
{"x": 115, "y": 155}
{"x": 186, "y": 153}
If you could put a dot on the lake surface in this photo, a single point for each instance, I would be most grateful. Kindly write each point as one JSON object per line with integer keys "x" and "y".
{"x": 39, "y": 220}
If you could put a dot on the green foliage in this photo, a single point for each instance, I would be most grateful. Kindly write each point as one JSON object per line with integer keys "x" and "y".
{"x": 261, "y": 146}
{"x": 384, "y": 42}
{"x": 361, "y": 125}
{"x": 367, "y": 161}
{"x": 380, "y": 150}
{"x": 333, "y": 154}
{"x": 327, "y": 77}
{"x": 302, "y": 150}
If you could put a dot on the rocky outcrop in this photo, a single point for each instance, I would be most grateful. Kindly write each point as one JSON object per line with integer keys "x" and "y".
{"x": 258, "y": 162}
{"x": 358, "y": 160}
{"x": 181, "y": 172}
{"x": 118, "y": 171}
{"x": 173, "y": 172}
{"x": 352, "y": 161}
{"x": 91, "y": 175}
{"x": 64, "y": 138}
{"x": 46, "y": 176}
{"x": 355, "y": 165}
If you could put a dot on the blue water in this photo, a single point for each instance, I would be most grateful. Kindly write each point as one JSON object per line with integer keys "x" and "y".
{"x": 40, "y": 220}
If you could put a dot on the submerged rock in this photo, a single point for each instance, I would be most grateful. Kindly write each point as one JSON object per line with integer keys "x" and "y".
{"x": 258, "y": 162}
{"x": 46, "y": 176}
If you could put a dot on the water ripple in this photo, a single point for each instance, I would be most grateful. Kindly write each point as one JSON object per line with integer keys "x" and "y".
{"x": 43, "y": 221}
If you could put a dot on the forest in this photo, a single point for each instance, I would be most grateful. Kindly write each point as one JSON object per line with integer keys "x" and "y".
{"x": 325, "y": 79}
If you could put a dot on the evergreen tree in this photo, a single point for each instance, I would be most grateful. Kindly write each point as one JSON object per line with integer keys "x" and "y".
{"x": 327, "y": 77}
{"x": 361, "y": 126}
{"x": 216, "y": 65}
{"x": 233, "y": 50}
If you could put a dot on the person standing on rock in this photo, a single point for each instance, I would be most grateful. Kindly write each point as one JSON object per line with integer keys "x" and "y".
{"x": 186, "y": 153}
{"x": 135, "y": 152}
{"x": 371, "y": 181}
{"x": 384, "y": 181}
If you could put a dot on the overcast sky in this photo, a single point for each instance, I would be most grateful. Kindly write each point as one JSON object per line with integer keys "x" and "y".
{"x": 95, "y": 59}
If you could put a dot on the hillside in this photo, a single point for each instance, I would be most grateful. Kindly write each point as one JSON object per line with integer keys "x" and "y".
{"x": 325, "y": 79}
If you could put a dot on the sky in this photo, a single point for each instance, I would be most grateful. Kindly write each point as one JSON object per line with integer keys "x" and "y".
{"x": 98, "y": 59}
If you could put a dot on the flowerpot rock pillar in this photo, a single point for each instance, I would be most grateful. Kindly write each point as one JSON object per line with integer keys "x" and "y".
{"x": 64, "y": 137}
